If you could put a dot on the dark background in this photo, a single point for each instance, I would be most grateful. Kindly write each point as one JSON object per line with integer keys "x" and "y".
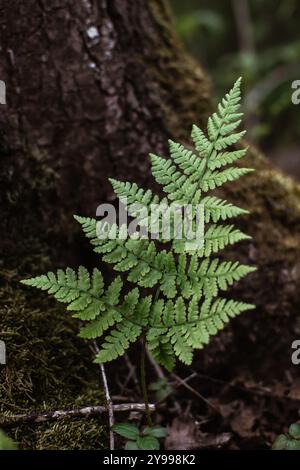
{"x": 259, "y": 40}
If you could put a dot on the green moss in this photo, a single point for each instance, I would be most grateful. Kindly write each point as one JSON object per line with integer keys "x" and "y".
{"x": 48, "y": 367}
{"x": 77, "y": 434}
{"x": 82, "y": 433}
{"x": 6, "y": 443}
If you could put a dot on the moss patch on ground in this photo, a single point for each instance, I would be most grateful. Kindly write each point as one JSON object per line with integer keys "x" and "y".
{"x": 48, "y": 368}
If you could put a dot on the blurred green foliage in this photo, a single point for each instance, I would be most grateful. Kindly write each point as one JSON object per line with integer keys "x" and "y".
{"x": 290, "y": 440}
{"x": 6, "y": 443}
{"x": 256, "y": 39}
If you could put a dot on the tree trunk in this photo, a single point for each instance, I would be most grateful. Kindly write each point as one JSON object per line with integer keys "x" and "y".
{"x": 92, "y": 87}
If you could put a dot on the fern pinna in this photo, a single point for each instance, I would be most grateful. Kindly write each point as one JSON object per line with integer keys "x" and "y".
{"x": 175, "y": 304}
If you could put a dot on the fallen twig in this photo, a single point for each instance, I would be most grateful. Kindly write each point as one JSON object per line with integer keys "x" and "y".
{"x": 195, "y": 392}
{"x": 180, "y": 381}
{"x": 37, "y": 418}
{"x": 109, "y": 402}
{"x": 252, "y": 391}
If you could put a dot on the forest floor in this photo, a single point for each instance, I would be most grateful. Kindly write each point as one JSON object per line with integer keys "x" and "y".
{"x": 241, "y": 392}
{"x": 226, "y": 410}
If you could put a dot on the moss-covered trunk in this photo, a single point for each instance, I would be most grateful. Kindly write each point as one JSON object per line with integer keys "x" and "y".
{"x": 92, "y": 87}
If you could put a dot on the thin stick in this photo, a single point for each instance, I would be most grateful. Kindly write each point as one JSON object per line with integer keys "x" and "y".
{"x": 253, "y": 391}
{"x": 110, "y": 408}
{"x": 195, "y": 392}
{"x": 187, "y": 379}
{"x": 109, "y": 402}
{"x": 179, "y": 381}
{"x": 37, "y": 418}
{"x": 143, "y": 382}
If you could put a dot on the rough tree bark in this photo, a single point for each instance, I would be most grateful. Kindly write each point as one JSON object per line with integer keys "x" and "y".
{"x": 92, "y": 87}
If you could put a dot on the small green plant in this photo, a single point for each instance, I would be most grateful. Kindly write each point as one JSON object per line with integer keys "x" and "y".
{"x": 175, "y": 307}
{"x": 147, "y": 439}
{"x": 290, "y": 440}
{"x": 162, "y": 389}
{"x": 6, "y": 443}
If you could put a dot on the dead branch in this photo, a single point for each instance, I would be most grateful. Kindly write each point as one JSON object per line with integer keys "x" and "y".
{"x": 37, "y": 418}
{"x": 109, "y": 402}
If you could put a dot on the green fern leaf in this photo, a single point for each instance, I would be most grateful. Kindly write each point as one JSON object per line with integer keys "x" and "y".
{"x": 118, "y": 341}
{"x": 186, "y": 309}
{"x": 219, "y": 236}
{"x": 214, "y": 179}
{"x": 162, "y": 351}
{"x": 226, "y": 158}
{"x": 202, "y": 144}
{"x": 216, "y": 209}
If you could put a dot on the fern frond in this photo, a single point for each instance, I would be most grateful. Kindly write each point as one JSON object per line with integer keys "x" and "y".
{"x": 134, "y": 194}
{"x": 147, "y": 268}
{"x": 226, "y": 119}
{"x": 219, "y": 236}
{"x": 207, "y": 277}
{"x": 139, "y": 258}
{"x": 118, "y": 341}
{"x": 149, "y": 209}
{"x": 192, "y": 327}
{"x": 86, "y": 297}
{"x": 215, "y": 179}
{"x": 177, "y": 185}
{"x": 218, "y": 274}
{"x": 113, "y": 311}
{"x": 162, "y": 351}
{"x": 201, "y": 142}
{"x": 186, "y": 309}
{"x": 135, "y": 318}
{"x": 193, "y": 174}
{"x": 190, "y": 163}
{"x": 216, "y": 238}
{"x": 77, "y": 289}
{"x": 213, "y": 318}
{"x": 216, "y": 209}
{"x": 226, "y": 158}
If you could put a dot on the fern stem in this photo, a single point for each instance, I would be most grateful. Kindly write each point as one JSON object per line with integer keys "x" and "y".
{"x": 143, "y": 381}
